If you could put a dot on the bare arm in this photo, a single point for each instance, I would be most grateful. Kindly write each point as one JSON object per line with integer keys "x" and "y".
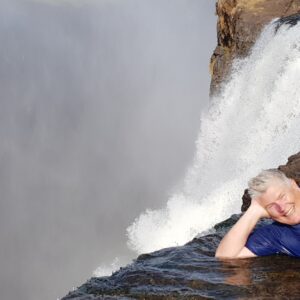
{"x": 233, "y": 243}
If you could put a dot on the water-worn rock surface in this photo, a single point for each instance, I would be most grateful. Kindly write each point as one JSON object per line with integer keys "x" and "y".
{"x": 192, "y": 272}
{"x": 239, "y": 24}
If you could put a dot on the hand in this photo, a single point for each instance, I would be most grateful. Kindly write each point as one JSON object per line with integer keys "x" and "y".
{"x": 261, "y": 211}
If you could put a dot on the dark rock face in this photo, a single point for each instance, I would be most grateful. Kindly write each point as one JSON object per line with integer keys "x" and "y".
{"x": 192, "y": 272}
{"x": 291, "y": 169}
{"x": 239, "y": 24}
{"x": 289, "y": 20}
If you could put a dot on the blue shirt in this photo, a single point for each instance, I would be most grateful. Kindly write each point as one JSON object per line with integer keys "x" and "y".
{"x": 275, "y": 238}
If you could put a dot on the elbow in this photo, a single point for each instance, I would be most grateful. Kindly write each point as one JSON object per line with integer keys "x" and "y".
{"x": 222, "y": 256}
{"x": 225, "y": 254}
{"x": 217, "y": 254}
{"x": 244, "y": 253}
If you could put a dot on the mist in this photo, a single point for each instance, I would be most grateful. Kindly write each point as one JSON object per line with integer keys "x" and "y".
{"x": 100, "y": 111}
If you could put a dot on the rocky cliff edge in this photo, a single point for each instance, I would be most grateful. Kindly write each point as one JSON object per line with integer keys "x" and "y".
{"x": 239, "y": 24}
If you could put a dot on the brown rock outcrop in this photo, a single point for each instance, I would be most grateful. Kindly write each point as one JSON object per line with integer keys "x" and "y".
{"x": 239, "y": 24}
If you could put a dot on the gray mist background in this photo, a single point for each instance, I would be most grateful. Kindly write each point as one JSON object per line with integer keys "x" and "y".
{"x": 100, "y": 107}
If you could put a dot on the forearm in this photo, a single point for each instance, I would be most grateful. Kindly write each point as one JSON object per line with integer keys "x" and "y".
{"x": 234, "y": 241}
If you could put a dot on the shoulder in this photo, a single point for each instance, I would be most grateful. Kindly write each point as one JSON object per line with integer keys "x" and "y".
{"x": 265, "y": 240}
{"x": 290, "y": 239}
{"x": 275, "y": 238}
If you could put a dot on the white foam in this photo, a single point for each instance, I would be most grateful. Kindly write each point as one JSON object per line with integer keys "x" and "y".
{"x": 252, "y": 125}
{"x": 107, "y": 269}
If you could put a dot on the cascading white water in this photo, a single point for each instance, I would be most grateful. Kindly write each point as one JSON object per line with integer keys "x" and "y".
{"x": 251, "y": 125}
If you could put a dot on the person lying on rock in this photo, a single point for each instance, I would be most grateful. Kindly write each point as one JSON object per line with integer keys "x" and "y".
{"x": 273, "y": 196}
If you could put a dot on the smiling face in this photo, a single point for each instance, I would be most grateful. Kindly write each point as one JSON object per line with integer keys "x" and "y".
{"x": 282, "y": 202}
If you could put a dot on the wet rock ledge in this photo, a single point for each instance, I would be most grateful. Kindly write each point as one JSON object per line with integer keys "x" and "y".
{"x": 192, "y": 272}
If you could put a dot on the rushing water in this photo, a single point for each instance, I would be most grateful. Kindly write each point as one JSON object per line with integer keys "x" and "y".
{"x": 251, "y": 125}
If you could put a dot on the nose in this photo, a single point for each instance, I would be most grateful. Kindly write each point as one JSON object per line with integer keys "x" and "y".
{"x": 279, "y": 207}
{"x": 281, "y": 204}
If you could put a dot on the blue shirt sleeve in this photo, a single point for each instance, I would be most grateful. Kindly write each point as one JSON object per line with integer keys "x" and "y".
{"x": 265, "y": 240}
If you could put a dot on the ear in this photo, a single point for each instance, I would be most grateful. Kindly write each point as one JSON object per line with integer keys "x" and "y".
{"x": 294, "y": 183}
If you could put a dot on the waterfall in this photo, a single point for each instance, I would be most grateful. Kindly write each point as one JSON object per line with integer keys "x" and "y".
{"x": 250, "y": 125}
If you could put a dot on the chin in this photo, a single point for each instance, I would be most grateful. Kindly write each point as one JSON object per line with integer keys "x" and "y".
{"x": 293, "y": 220}
{"x": 288, "y": 221}
{"x": 296, "y": 220}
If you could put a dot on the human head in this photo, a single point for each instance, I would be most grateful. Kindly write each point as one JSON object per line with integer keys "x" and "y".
{"x": 260, "y": 183}
{"x": 278, "y": 194}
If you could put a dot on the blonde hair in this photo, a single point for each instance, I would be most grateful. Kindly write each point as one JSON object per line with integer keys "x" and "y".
{"x": 260, "y": 183}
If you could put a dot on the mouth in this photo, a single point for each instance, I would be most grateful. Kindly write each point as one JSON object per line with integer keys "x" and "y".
{"x": 290, "y": 211}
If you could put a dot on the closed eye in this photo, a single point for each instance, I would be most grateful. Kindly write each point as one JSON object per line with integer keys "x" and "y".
{"x": 280, "y": 196}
